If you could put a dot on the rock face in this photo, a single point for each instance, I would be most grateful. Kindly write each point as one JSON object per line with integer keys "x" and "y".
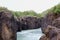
{"x": 28, "y": 22}
{"x": 48, "y": 19}
{"x": 8, "y": 26}
{"x": 50, "y": 26}
{"x": 51, "y": 33}
{"x": 56, "y": 22}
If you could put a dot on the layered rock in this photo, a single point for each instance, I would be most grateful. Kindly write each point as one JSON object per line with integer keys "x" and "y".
{"x": 28, "y": 22}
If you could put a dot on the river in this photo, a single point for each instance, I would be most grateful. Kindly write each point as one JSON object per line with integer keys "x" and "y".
{"x": 33, "y": 34}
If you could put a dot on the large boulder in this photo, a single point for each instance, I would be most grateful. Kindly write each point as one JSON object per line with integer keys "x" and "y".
{"x": 29, "y": 22}
{"x": 8, "y": 26}
{"x": 51, "y": 33}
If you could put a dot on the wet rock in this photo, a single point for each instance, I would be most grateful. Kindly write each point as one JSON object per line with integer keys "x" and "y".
{"x": 8, "y": 26}
{"x": 28, "y": 22}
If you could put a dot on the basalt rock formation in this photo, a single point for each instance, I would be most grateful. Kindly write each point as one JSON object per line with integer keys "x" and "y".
{"x": 28, "y": 22}
{"x": 8, "y": 26}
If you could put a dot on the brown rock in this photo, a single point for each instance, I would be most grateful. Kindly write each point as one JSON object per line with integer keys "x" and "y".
{"x": 44, "y": 38}
{"x": 51, "y": 33}
{"x": 56, "y": 22}
{"x": 8, "y": 26}
{"x": 48, "y": 19}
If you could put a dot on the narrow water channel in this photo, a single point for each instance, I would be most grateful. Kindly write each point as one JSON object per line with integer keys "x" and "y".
{"x": 33, "y": 34}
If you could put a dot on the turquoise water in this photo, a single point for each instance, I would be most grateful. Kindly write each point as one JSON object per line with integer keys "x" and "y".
{"x": 34, "y": 34}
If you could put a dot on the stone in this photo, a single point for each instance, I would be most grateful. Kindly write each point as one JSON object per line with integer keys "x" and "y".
{"x": 28, "y": 22}
{"x": 56, "y": 22}
{"x": 8, "y": 26}
{"x": 48, "y": 19}
{"x": 51, "y": 33}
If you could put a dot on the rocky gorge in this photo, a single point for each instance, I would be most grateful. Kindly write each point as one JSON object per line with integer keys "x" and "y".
{"x": 10, "y": 25}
